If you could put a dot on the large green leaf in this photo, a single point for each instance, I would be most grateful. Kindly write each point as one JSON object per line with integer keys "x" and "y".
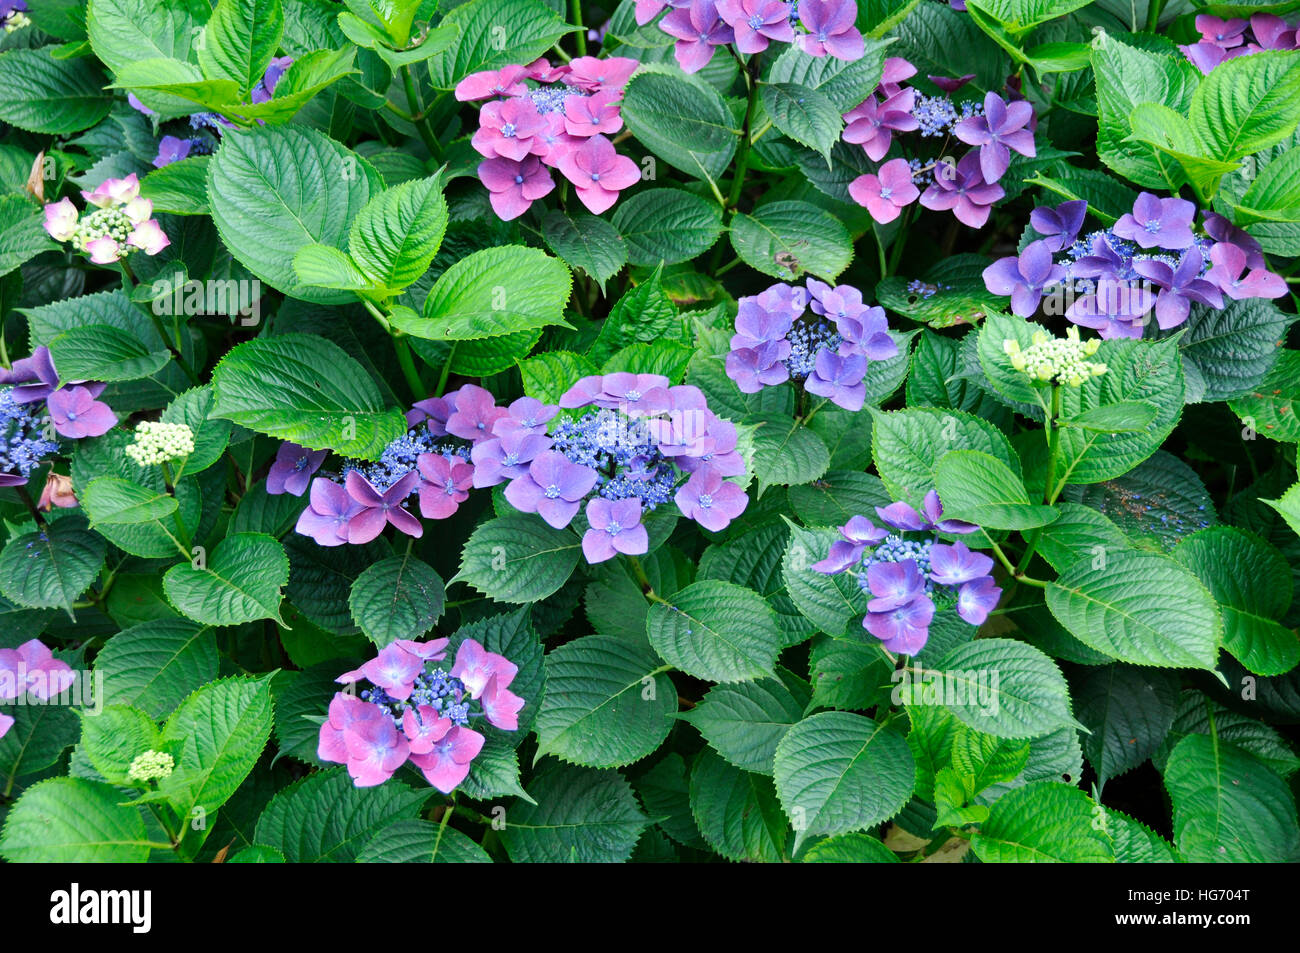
{"x": 417, "y": 841}
{"x": 607, "y": 703}
{"x": 240, "y": 39}
{"x": 397, "y": 598}
{"x": 745, "y": 722}
{"x": 788, "y": 239}
{"x": 1249, "y": 105}
{"x": 51, "y": 567}
{"x": 276, "y": 189}
{"x": 717, "y": 631}
{"x": 1141, "y": 608}
{"x": 71, "y": 820}
{"x": 685, "y": 123}
{"x": 1228, "y": 807}
{"x": 981, "y": 489}
{"x": 155, "y": 665}
{"x": 804, "y": 114}
{"x": 586, "y": 242}
{"x": 104, "y": 353}
{"x": 125, "y": 31}
{"x": 737, "y": 812}
{"x": 518, "y": 558}
{"x": 667, "y": 225}
{"x": 111, "y": 499}
{"x": 1129, "y": 711}
{"x": 1044, "y": 822}
{"x": 907, "y": 446}
{"x": 396, "y": 235}
{"x": 838, "y": 772}
{"x": 57, "y": 96}
{"x": 492, "y": 34}
{"x": 241, "y": 582}
{"x": 580, "y": 815}
{"x": 306, "y": 389}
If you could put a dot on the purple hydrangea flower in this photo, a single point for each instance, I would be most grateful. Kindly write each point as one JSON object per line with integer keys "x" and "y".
{"x": 859, "y": 533}
{"x": 872, "y": 123}
{"x": 1229, "y": 264}
{"x": 1179, "y": 287}
{"x": 506, "y": 457}
{"x": 886, "y": 194}
{"x": 1158, "y": 223}
{"x": 952, "y": 565}
{"x": 526, "y": 413}
{"x": 699, "y": 31}
{"x": 711, "y": 501}
{"x": 1116, "y": 308}
{"x": 293, "y": 469}
{"x": 444, "y": 484}
{"x": 360, "y": 736}
{"x": 500, "y": 705}
{"x": 32, "y": 669}
{"x": 1222, "y": 230}
{"x": 553, "y": 488}
{"x": 598, "y": 173}
{"x": 475, "y": 412}
{"x": 509, "y": 128}
{"x": 475, "y": 666}
{"x": 964, "y": 191}
{"x": 447, "y": 764}
{"x": 507, "y": 81}
{"x": 1223, "y": 33}
{"x": 615, "y": 528}
{"x": 381, "y": 509}
{"x": 75, "y": 412}
{"x": 328, "y": 513}
{"x": 755, "y": 22}
{"x": 903, "y": 630}
{"x": 1059, "y": 226}
{"x": 1024, "y": 277}
{"x": 513, "y": 186}
{"x": 839, "y": 378}
{"x": 999, "y": 130}
{"x": 171, "y": 149}
{"x": 34, "y": 378}
{"x": 893, "y": 585}
{"x": 753, "y": 368}
{"x": 977, "y": 598}
{"x": 831, "y": 29}
{"x": 597, "y": 114}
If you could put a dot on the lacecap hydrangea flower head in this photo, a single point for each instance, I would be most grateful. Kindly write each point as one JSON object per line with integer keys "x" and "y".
{"x": 122, "y": 222}
{"x": 909, "y": 574}
{"x": 821, "y": 337}
{"x": 1052, "y": 360}
{"x": 416, "y": 710}
{"x": 157, "y": 442}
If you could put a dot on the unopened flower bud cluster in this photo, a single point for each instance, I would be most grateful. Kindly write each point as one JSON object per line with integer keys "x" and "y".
{"x": 1056, "y": 360}
{"x": 157, "y": 442}
{"x": 151, "y": 766}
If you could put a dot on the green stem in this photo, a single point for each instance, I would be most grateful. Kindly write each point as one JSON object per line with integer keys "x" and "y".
{"x": 580, "y": 38}
{"x": 1010, "y": 567}
{"x": 416, "y": 108}
{"x": 407, "y": 362}
{"x": 1050, "y": 491}
{"x": 639, "y": 573}
{"x": 176, "y": 513}
{"x": 813, "y": 413}
{"x": 1153, "y": 14}
{"x": 742, "y": 150}
{"x": 446, "y": 371}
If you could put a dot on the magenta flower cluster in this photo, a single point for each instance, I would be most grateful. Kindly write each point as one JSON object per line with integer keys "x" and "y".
{"x": 31, "y": 669}
{"x": 637, "y": 442}
{"x": 541, "y": 117}
{"x": 817, "y": 27}
{"x": 1226, "y": 39}
{"x": 967, "y": 187}
{"x": 828, "y": 350}
{"x": 415, "y": 711}
{"x": 909, "y": 574}
{"x": 432, "y": 460}
{"x": 1150, "y": 260}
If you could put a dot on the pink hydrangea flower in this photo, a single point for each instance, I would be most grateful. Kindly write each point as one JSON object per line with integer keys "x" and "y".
{"x": 447, "y": 764}
{"x": 886, "y": 195}
{"x": 445, "y": 485}
{"x": 475, "y": 666}
{"x": 514, "y": 186}
{"x": 599, "y": 173}
{"x": 32, "y": 669}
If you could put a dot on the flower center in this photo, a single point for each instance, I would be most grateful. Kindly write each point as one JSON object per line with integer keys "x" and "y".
{"x": 519, "y": 180}
{"x": 705, "y": 501}
{"x": 885, "y": 192}
{"x": 508, "y": 130}
{"x": 595, "y": 176}
{"x": 613, "y": 528}
{"x": 552, "y": 492}
{"x": 755, "y": 21}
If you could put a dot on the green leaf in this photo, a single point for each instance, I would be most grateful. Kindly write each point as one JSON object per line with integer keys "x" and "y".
{"x": 211, "y": 434}
{"x": 493, "y": 34}
{"x": 305, "y": 389}
{"x": 1127, "y": 416}
{"x": 52, "y": 567}
{"x": 907, "y": 446}
{"x": 607, "y": 703}
{"x": 240, "y": 39}
{"x": 586, "y": 242}
{"x": 1274, "y": 195}
{"x": 1127, "y": 77}
{"x": 716, "y": 631}
{"x": 738, "y": 813}
{"x": 1251, "y": 581}
{"x": 786, "y": 452}
{"x": 804, "y": 114}
{"x": 837, "y": 496}
{"x": 518, "y": 558}
{"x": 1201, "y": 715}
{"x": 580, "y": 815}
{"x": 1129, "y": 711}
{"x": 397, "y": 598}
{"x": 849, "y": 849}
{"x": 217, "y": 735}
{"x": 1020, "y": 16}
{"x": 1079, "y": 533}
{"x": 324, "y": 266}
{"x": 114, "y": 738}
{"x": 512, "y": 634}
{"x": 70, "y": 820}
{"x": 753, "y": 559}
{"x": 104, "y": 353}
{"x": 114, "y": 500}
{"x": 492, "y": 292}
{"x": 179, "y": 188}
{"x": 394, "y": 238}
{"x": 155, "y": 665}
{"x": 1136, "y": 371}
{"x": 57, "y": 96}
{"x": 834, "y": 604}
{"x": 1252, "y": 104}
{"x": 241, "y": 582}
{"x": 845, "y": 83}
{"x": 1140, "y": 608}
{"x": 548, "y": 375}
{"x": 1228, "y": 352}
{"x": 1288, "y": 506}
{"x": 744, "y": 723}
{"x": 838, "y": 772}
{"x": 417, "y": 841}
{"x": 1136, "y": 843}
{"x": 126, "y": 31}
{"x": 1043, "y": 822}
{"x": 981, "y": 489}
{"x": 788, "y": 239}
{"x": 277, "y": 188}
{"x": 667, "y": 225}
{"x": 1270, "y": 408}
{"x": 1228, "y": 807}
{"x": 175, "y": 86}
{"x": 685, "y": 123}
{"x": 305, "y": 77}
{"x": 982, "y": 760}
{"x": 1170, "y": 134}
{"x": 326, "y": 818}
{"x": 1001, "y": 687}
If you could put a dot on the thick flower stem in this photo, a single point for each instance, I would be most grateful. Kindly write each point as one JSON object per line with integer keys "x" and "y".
{"x": 416, "y": 108}
{"x": 407, "y": 362}
{"x": 580, "y": 38}
{"x": 1050, "y": 491}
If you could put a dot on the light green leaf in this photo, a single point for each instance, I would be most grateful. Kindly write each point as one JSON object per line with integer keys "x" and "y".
{"x": 981, "y": 489}
{"x": 114, "y": 500}
{"x": 69, "y": 820}
{"x": 788, "y": 239}
{"x": 1043, "y": 822}
{"x": 518, "y": 558}
{"x": 240, "y": 583}
{"x": 240, "y": 39}
{"x": 716, "y": 631}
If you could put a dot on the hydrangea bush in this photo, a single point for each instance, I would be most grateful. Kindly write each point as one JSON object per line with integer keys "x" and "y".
{"x": 510, "y": 430}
